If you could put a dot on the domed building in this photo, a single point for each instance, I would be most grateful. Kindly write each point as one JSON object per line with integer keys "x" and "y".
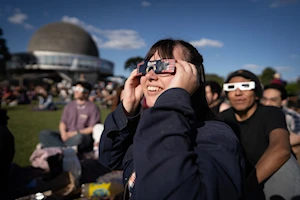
{"x": 61, "y": 49}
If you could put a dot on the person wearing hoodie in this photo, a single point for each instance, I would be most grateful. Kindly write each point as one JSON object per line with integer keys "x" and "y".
{"x": 173, "y": 147}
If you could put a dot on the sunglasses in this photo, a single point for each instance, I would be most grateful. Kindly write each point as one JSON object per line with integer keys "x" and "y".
{"x": 79, "y": 89}
{"x": 164, "y": 66}
{"x": 241, "y": 85}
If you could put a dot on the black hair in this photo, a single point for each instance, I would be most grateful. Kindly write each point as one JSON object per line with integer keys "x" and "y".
{"x": 280, "y": 88}
{"x": 248, "y": 75}
{"x": 214, "y": 86}
{"x": 165, "y": 49}
{"x": 86, "y": 85}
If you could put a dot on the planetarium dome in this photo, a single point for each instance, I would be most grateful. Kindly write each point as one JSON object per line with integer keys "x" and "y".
{"x": 63, "y": 37}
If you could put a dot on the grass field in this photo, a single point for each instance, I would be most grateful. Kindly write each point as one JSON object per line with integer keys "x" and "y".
{"x": 26, "y": 124}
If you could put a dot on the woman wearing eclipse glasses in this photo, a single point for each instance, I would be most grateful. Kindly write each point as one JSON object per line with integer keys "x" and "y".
{"x": 271, "y": 170}
{"x": 174, "y": 149}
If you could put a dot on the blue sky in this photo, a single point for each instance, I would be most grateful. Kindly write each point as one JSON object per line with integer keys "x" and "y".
{"x": 231, "y": 34}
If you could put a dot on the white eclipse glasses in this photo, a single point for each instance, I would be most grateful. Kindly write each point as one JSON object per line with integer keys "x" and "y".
{"x": 227, "y": 87}
{"x": 79, "y": 89}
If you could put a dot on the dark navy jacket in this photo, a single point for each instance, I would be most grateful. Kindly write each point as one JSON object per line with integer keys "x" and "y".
{"x": 173, "y": 157}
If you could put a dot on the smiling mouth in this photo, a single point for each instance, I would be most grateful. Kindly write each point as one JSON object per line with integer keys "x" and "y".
{"x": 153, "y": 89}
{"x": 240, "y": 101}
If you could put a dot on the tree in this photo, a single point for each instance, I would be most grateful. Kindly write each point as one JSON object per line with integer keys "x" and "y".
{"x": 4, "y": 55}
{"x": 267, "y": 75}
{"x": 131, "y": 63}
{"x": 214, "y": 77}
{"x": 292, "y": 88}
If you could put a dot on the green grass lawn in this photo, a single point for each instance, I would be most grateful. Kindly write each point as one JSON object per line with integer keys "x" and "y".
{"x": 25, "y": 124}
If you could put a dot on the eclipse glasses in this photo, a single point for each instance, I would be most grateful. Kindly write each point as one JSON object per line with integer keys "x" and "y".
{"x": 164, "y": 66}
{"x": 241, "y": 85}
{"x": 79, "y": 89}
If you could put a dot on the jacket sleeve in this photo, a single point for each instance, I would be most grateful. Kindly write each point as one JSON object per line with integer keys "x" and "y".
{"x": 117, "y": 137}
{"x": 166, "y": 162}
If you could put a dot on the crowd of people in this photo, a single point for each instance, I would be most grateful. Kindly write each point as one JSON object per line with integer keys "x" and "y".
{"x": 174, "y": 135}
{"x": 49, "y": 95}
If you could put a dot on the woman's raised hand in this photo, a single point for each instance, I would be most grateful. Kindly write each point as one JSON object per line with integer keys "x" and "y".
{"x": 186, "y": 77}
{"x": 133, "y": 93}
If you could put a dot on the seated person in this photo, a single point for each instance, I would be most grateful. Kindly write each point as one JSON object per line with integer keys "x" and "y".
{"x": 8, "y": 97}
{"x": 276, "y": 95}
{"x": 22, "y": 96}
{"x": 77, "y": 122}
{"x": 45, "y": 100}
{"x": 271, "y": 170}
{"x": 213, "y": 97}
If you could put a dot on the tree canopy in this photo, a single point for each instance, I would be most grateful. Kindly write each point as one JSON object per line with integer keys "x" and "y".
{"x": 131, "y": 63}
{"x": 4, "y": 55}
{"x": 214, "y": 77}
{"x": 267, "y": 75}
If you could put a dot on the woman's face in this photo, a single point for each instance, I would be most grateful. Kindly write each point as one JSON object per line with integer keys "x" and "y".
{"x": 153, "y": 84}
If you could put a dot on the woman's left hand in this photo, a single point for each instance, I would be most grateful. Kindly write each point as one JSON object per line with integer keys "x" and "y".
{"x": 186, "y": 77}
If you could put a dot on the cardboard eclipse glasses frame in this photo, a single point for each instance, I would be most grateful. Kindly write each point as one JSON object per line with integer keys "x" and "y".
{"x": 79, "y": 89}
{"x": 164, "y": 66}
{"x": 241, "y": 85}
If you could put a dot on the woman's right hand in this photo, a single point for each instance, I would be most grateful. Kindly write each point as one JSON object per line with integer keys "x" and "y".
{"x": 132, "y": 93}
